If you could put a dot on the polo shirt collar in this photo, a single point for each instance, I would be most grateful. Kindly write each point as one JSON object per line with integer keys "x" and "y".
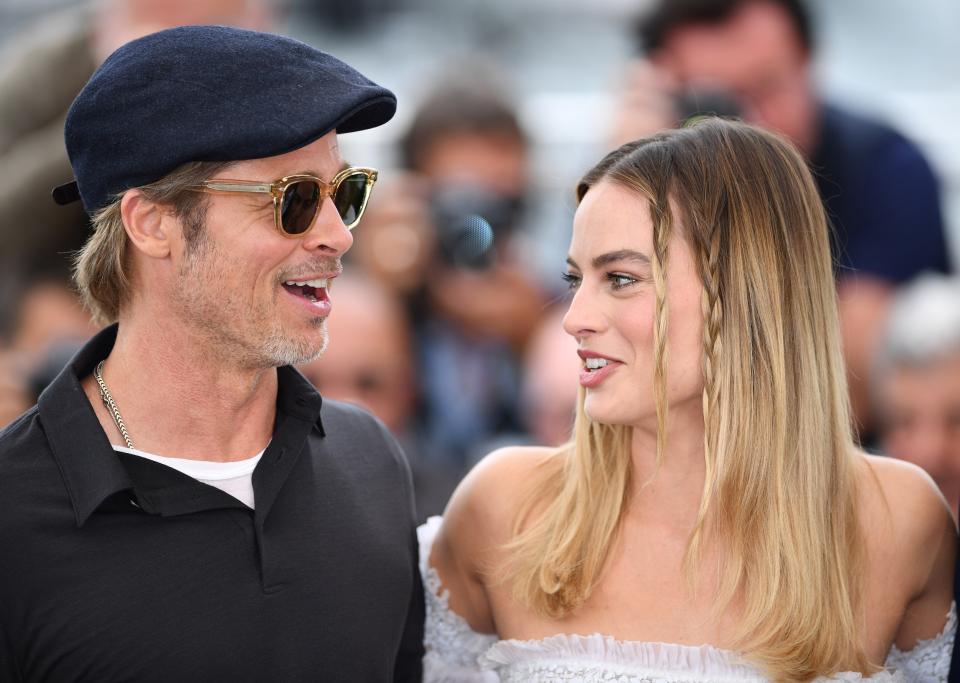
{"x": 89, "y": 467}
{"x": 91, "y": 470}
{"x": 298, "y": 414}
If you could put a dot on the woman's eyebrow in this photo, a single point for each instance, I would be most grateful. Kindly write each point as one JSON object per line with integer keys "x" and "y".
{"x": 621, "y": 255}
{"x": 614, "y": 256}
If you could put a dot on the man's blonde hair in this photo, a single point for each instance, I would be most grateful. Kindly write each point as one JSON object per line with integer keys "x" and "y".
{"x": 780, "y": 492}
{"x": 102, "y": 266}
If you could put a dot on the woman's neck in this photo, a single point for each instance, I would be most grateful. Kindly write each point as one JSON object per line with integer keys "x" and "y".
{"x": 671, "y": 491}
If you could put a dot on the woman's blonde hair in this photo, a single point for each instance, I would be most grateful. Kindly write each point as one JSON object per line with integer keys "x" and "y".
{"x": 780, "y": 494}
{"x": 102, "y": 266}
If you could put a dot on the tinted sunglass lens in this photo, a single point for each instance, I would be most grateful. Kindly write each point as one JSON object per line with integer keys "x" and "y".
{"x": 351, "y": 198}
{"x": 299, "y": 206}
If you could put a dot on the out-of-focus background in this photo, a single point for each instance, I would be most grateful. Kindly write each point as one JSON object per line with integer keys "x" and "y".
{"x": 447, "y": 325}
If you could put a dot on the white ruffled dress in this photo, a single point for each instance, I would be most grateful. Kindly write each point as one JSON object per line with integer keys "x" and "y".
{"x": 457, "y": 654}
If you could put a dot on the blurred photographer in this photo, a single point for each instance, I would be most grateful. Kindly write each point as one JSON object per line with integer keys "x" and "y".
{"x": 445, "y": 236}
{"x": 752, "y": 59}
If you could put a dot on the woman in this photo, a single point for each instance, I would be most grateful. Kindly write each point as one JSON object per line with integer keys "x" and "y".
{"x": 711, "y": 518}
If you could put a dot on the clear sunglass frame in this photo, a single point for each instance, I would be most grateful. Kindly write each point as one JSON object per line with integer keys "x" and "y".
{"x": 278, "y": 188}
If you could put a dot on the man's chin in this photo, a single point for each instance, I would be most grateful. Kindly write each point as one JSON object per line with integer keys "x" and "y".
{"x": 290, "y": 351}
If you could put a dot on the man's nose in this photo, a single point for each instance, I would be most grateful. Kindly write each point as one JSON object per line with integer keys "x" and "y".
{"x": 328, "y": 234}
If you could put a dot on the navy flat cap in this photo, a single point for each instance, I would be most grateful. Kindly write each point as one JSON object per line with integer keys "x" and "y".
{"x": 207, "y": 93}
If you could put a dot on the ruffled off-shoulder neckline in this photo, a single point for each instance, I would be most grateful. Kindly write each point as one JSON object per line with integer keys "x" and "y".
{"x": 639, "y": 657}
{"x": 658, "y": 660}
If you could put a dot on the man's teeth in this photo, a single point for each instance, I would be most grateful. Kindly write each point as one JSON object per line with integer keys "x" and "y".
{"x": 596, "y": 363}
{"x": 316, "y": 284}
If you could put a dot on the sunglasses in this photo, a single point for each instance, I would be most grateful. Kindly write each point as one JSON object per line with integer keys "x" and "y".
{"x": 297, "y": 198}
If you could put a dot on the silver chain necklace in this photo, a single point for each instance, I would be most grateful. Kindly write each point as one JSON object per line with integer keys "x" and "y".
{"x": 111, "y": 405}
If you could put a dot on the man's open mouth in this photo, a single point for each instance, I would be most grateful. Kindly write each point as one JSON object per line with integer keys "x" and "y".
{"x": 311, "y": 290}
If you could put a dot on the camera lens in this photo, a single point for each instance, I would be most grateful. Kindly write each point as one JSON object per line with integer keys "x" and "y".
{"x": 467, "y": 242}
{"x": 468, "y": 220}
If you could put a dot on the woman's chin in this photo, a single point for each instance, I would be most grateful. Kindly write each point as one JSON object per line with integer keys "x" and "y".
{"x": 604, "y": 414}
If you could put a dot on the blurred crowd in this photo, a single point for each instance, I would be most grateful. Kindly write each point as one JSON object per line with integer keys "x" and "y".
{"x": 446, "y": 323}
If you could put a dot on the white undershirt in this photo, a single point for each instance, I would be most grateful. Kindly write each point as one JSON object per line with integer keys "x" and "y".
{"x": 235, "y": 477}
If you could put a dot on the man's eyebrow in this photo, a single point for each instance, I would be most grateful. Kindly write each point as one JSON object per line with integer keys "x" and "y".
{"x": 343, "y": 166}
{"x": 614, "y": 256}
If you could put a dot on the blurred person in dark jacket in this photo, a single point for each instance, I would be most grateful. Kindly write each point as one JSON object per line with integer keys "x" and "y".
{"x": 916, "y": 381}
{"x": 752, "y": 58}
{"x": 448, "y": 237}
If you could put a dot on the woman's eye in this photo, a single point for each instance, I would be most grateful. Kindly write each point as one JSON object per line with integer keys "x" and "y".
{"x": 619, "y": 280}
{"x": 573, "y": 281}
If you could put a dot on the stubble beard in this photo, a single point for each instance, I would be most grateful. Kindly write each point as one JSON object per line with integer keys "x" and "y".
{"x": 282, "y": 350}
{"x": 246, "y": 336}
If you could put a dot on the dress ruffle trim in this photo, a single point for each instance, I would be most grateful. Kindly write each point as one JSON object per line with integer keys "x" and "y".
{"x": 929, "y": 660}
{"x": 654, "y": 657}
{"x": 452, "y": 647}
{"x": 426, "y": 532}
{"x": 935, "y": 643}
{"x": 663, "y": 660}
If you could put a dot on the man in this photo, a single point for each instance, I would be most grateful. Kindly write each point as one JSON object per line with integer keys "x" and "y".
{"x": 881, "y": 196}
{"x": 180, "y": 505}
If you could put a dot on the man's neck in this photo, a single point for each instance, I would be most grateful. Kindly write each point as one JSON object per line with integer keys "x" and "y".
{"x": 181, "y": 398}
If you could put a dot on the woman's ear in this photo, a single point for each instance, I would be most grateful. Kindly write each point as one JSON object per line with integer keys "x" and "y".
{"x": 148, "y": 224}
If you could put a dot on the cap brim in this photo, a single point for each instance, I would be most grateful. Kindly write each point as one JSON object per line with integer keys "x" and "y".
{"x": 68, "y": 193}
{"x": 370, "y": 114}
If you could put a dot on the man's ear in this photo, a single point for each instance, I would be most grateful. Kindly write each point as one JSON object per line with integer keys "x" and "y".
{"x": 149, "y": 225}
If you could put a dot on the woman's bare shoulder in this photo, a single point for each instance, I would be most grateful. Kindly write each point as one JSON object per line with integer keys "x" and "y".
{"x": 908, "y": 491}
{"x": 477, "y": 523}
{"x": 905, "y": 513}
{"x": 510, "y": 465}
{"x": 912, "y": 539}
{"x": 486, "y": 501}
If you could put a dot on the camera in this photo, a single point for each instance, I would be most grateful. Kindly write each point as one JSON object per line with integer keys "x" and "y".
{"x": 470, "y": 223}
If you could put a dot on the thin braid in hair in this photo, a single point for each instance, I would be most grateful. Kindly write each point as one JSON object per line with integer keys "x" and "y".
{"x": 712, "y": 319}
{"x": 708, "y": 256}
{"x": 661, "y": 236}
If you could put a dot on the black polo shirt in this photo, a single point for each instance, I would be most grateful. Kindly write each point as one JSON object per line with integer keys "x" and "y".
{"x": 117, "y": 568}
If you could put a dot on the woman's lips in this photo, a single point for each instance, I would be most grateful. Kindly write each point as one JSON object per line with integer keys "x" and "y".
{"x": 592, "y": 378}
